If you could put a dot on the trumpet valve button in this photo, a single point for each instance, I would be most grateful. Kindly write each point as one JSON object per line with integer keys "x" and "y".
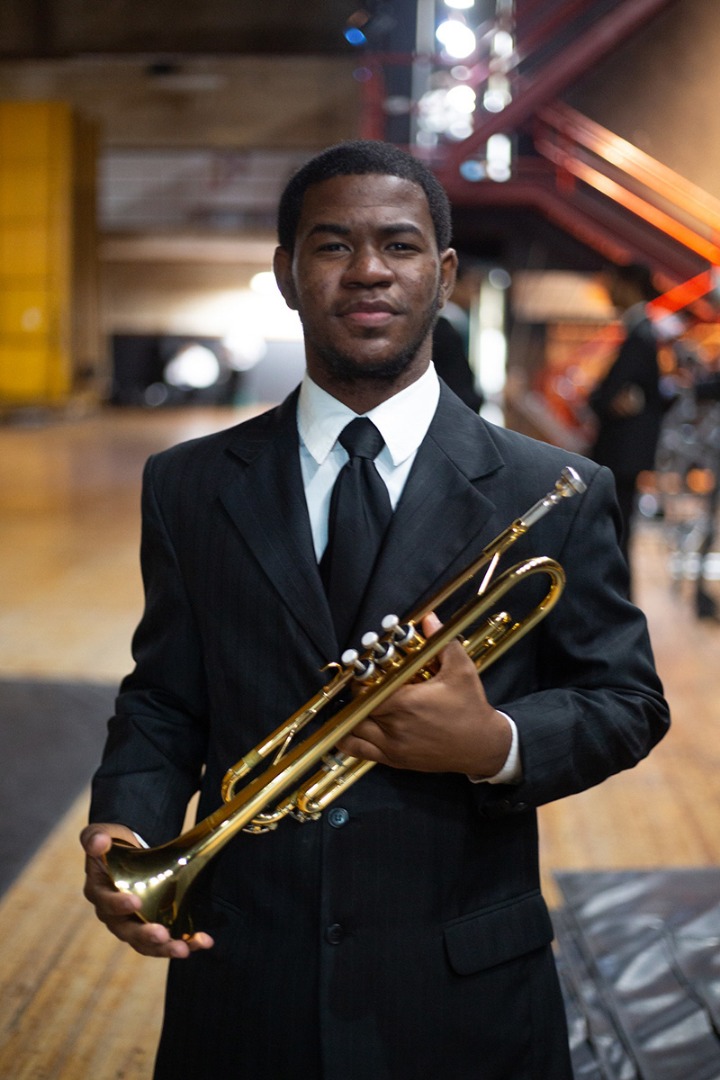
{"x": 363, "y": 670}
{"x": 383, "y": 649}
{"x": 405, "y": 635}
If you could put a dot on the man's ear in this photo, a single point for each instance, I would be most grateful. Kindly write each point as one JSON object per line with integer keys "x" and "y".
{"x": 448, "y": 273}
{"x": 282, "y": 268}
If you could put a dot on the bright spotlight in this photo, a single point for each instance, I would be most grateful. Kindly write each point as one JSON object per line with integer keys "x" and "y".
{"x": 462, "y": 99}
{"x": 194, "y": 367}
{"x": 457, "y": 39}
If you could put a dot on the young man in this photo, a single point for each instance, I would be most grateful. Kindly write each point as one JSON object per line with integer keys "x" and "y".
{"x": 402, "y": 936}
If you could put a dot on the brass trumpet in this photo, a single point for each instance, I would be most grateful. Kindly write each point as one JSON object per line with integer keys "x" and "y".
{"x": 162, "y": 876}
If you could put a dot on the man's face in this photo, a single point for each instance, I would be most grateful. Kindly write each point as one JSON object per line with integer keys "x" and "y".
{"x": 367, "y": 279}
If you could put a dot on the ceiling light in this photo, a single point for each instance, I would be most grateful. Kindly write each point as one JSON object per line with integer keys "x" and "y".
{"x": 457, "y": 39}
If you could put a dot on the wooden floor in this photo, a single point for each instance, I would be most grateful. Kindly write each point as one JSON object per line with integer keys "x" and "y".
{"x": 74, "y": 1004}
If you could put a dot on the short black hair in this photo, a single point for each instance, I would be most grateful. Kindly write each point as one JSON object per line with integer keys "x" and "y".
{"x": 639, "y": 276}
{"x": 358, "y": 158}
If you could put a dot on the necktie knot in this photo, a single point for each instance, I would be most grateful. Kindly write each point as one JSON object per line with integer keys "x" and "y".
{"x": 361, "y": 439}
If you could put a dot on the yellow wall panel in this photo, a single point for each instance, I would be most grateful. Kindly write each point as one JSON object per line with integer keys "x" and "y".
{"x": 40, "y": 236}
{"x": 24, "y": 312}
{"x": 26, "y": 374}
{"x": 25, "y": 251}
{"x": 25, "y": 191}
{"x": 34, "y": 130}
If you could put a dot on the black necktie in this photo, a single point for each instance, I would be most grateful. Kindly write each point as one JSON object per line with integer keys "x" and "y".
{"x": 360, "y": 513}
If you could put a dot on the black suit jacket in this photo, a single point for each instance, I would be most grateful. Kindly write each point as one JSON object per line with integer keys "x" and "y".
{"x": 404, "y": 935}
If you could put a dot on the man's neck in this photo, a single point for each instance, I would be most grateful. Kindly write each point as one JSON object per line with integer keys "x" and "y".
{"x": 365, "y": 393}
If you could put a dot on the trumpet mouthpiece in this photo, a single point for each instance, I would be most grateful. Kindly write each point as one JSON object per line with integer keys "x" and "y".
{"x": 570, "y": 482}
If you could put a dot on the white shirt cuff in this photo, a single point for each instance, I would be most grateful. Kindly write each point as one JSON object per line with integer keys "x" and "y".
{"x": 511, "y": 772}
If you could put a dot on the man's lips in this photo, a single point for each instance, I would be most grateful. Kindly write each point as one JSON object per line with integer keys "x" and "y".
{"x": 368, "y": 314}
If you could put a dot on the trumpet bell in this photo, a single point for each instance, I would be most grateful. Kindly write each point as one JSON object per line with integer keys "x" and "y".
{"x": 160, "y": 878}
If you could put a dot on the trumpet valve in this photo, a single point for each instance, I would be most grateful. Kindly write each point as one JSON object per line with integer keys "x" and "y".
{"x": 363, "y": 667}
{"x": 382, "y": 650}
{"x": 404, "y": 635}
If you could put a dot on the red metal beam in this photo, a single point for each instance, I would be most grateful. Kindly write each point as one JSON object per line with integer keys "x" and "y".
{"x": 645, "y": 210}
{"x": 598, "y": 224}
{"x": 587, "y": 51}
{"x": 673, "y": 188}
{"x": 560, "y": 16}
{"x": 527, "y": 10}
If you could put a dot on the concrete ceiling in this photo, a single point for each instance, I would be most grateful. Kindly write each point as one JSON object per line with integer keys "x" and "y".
{"x": 57, "y": 28}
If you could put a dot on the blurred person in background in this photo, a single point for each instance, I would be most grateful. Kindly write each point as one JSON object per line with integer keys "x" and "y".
{"x": 451, "y": 338}
{"x": 629, "y": 403}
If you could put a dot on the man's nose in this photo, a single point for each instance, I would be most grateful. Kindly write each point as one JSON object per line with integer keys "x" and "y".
{"x": 368, "y": 266}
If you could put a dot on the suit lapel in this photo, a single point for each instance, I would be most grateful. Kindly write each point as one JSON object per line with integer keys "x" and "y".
{"x": 266, "y": 502}
{"x": 439, "y": 524}
{"x": 441, "y": 520}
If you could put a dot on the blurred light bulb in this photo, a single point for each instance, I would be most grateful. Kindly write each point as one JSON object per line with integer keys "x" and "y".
{"x": 473, "y": 170}
{"x": 497, "y": 94}
{"x": 195, "y": 367}
{"x": 462, "y": 99}
{"x": 503, "y": 44}
{"x": 460, "y": 129}
{"x": 499, "y": 157}
{"x": 499, "y": 278}
{"x": 354, "y": 36}
{"x": 457, "y": 39}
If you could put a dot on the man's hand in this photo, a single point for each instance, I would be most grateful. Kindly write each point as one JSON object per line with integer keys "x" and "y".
{"x": 118, "y": 910}
{"x": 444, "y": 724}
{"x": 630, "y": 401}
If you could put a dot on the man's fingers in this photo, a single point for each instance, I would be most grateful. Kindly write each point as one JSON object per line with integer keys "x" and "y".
{"x": 430, "y": 624}
{"x": 152, "y": 939}
{"x": 96, "y": 840}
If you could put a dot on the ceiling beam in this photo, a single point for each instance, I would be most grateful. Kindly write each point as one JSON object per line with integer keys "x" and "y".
{"x": 585, "y": 52}
{"x": 613, "y": 233}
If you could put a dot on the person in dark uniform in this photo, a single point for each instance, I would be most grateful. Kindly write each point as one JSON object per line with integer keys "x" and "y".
{"x": 628, "y": 402}
{"x": 451, "y": 338}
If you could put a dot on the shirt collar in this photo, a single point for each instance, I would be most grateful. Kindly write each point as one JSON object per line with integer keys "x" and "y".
{"x": 402, "y": 420}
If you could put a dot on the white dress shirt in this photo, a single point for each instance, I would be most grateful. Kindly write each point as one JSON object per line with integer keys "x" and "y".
{"x": 403, "y": 421}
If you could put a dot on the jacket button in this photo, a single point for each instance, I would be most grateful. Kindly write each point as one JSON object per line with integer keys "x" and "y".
{"x": 338, "y": 817}
{"x": 334, "y": 934}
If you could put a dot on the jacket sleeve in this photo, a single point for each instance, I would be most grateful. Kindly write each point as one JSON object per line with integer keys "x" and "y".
{"x": 594, "y": 704}
{"x": 157, "y": 738}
